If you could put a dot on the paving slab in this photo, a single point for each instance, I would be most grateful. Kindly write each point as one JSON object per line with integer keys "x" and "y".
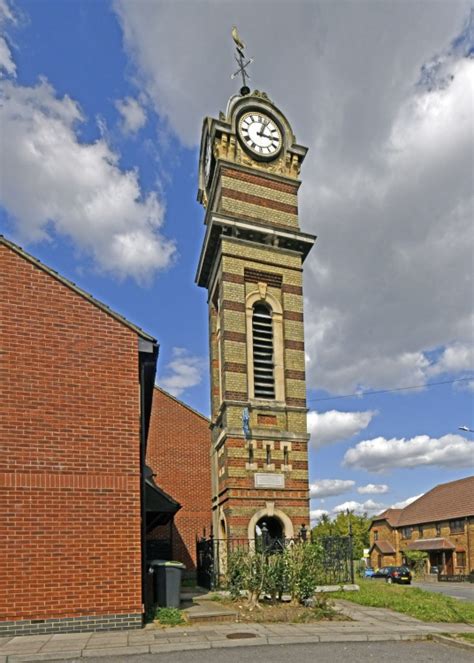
{"x": 247, "y": 642}
{"x": 177, "y": 646}
{"x": 117, "y": 651}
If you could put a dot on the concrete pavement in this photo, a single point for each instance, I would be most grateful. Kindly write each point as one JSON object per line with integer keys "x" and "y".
{"x": 367, "y": 625}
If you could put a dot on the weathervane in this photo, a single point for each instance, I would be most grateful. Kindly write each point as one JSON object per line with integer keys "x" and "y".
{"x": 240, "y": 58}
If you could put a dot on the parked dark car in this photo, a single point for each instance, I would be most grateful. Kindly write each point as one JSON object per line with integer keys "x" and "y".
{"x": 399, "y": 574}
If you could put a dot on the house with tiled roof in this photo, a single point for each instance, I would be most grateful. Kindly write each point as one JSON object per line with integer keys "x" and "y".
{"x": 440, "y": 523}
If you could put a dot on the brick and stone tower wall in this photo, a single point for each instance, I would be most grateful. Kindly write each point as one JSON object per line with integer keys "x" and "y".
{"x": 251, "y": 264}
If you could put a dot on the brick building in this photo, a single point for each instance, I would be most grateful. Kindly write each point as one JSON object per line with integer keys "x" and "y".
{"x": 251, "y": 265}
{"x": 178, "y": 454}
{"x": 76, "y": 392}
{"x": 440, "y": 523}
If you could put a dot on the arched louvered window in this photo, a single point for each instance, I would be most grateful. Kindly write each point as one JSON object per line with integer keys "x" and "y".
{"x": 262, "y": 345}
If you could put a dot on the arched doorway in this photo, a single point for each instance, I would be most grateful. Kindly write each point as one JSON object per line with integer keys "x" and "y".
{"x": 269, "y": 534}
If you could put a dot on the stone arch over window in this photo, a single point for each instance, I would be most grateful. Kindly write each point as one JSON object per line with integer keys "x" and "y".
{"x": 257, "y": 302}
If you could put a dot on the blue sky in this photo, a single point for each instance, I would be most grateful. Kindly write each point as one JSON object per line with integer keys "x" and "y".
{"x": 101, "y": 107}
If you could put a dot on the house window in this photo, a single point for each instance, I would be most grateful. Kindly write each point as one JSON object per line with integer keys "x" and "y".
{"x": 286, "y": 456}
{"x": 262, "y": 345}
{"x": 438, "y": 529}
{"x": 406, "y": 532}
{"x": 456, "y": 526}
{"x": 376, "y": 535}
{"x": 250, "y": 454}
{"x": 461, "y": 559}
{"x": 420, "y": 531}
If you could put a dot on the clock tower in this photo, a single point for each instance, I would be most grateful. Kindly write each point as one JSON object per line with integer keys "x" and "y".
{"x": 251, "y": 265}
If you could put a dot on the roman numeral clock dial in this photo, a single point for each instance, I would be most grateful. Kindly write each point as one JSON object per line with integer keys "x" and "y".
{"x": 260, "y": 135}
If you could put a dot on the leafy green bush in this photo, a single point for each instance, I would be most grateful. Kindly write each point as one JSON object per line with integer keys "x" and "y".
{"x": 304, "y": 570}
{"x": 297, "y": 570}
{"x": 276, "y": 576}
{"x": 235, "y": 577}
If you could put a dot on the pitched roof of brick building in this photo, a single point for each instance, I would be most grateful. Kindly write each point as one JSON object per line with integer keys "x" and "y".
{"x": 390, "y": 515}
{"x": 385, "y": 547}
{"x": 444, "y": 502}
{"x": 70, "y": 284}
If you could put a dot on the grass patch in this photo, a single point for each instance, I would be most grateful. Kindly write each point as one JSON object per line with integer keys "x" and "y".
{"x": 418, "y": 603}
{"x": 466, "y": 636}
{"x": 169, "y": 616}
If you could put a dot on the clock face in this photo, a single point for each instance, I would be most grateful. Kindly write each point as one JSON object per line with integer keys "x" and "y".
{"x": 260, "y": 134}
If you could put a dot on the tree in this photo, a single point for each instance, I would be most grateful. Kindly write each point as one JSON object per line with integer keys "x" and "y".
{"x": 340, "y": 527}
{"x": 418, "y": 560}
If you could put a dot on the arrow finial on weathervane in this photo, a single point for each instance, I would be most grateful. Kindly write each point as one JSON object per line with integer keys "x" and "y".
{"x": 240, "y": 58}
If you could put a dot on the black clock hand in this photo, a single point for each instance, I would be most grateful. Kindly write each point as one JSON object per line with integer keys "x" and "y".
{"x": 262, "y": 131}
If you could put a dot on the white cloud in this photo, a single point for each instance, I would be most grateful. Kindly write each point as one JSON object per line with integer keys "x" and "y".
{"x": 373, "y": 489}
{"x": 133, "y": 114}
{"x": 52, "y": 179}
{"x": 182, "y": 372}
{"x": 328, "y": 487}
{"x": 369, "y": 506}
{"x": 404, "y": 503}
{"x": 455, "y": 358}
{"x": 333, "y": 426}
{"x": 7, "y": 63}
{"x": 316, "y": 514}
{"x": 381, "y": 455}
{"x": 388, "y": 171}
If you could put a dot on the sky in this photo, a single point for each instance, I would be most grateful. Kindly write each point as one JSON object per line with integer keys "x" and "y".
{"x": 101, "y": 106}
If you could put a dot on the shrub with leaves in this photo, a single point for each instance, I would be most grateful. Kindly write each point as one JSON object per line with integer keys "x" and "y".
{"x": 236, "y": 581}
{"x": 297, "y": 570}
{"x": 304, "y": 567}
{"x": 276, "y": 576}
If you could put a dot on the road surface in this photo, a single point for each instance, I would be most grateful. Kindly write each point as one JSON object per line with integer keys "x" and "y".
{"x": 356, "y": 652}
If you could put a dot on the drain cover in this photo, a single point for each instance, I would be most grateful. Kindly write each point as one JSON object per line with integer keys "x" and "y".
{"x": 240, "y": 636}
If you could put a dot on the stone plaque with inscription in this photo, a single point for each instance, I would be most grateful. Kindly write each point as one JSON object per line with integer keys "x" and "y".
{"x": 263, "y": 480}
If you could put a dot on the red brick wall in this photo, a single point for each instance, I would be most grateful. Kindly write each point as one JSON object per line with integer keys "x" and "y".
{"x": 69, "y": 452}
{"x": 179, "y": 454}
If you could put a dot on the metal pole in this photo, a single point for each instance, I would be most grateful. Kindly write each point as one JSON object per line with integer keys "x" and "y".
{"x": 351, "y": 548}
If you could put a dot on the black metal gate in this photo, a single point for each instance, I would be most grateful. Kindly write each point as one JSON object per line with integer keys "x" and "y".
{"x": 337, "y": 563}
{"x": 205, "y": 562}
{"x": 337, "y": 559}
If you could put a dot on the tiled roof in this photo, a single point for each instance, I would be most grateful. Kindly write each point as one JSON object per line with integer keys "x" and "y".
{"x": 444, "y": 502}
{"x": 390, "y": 515}
{"x": 385, "y": 547}
{"x": 70, "y": 284}
{"x": 430, "y": 544}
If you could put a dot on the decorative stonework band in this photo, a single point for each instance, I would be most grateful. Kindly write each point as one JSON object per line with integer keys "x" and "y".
{"x": 258, "y": 200}
{"x": 293, "y": 315}
{"x": 294, "y": 345}
{"x": 71, "y": 624}
{"x": 292, "y": 289}
{"x": 260, "y": 181}
{"x": 229, "y": 305}
{"x": 257, "y": 276}
{"x": 234, "y": 336}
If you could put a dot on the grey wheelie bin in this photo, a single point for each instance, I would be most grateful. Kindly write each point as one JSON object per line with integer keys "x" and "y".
{"x": 167, "y": 582}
